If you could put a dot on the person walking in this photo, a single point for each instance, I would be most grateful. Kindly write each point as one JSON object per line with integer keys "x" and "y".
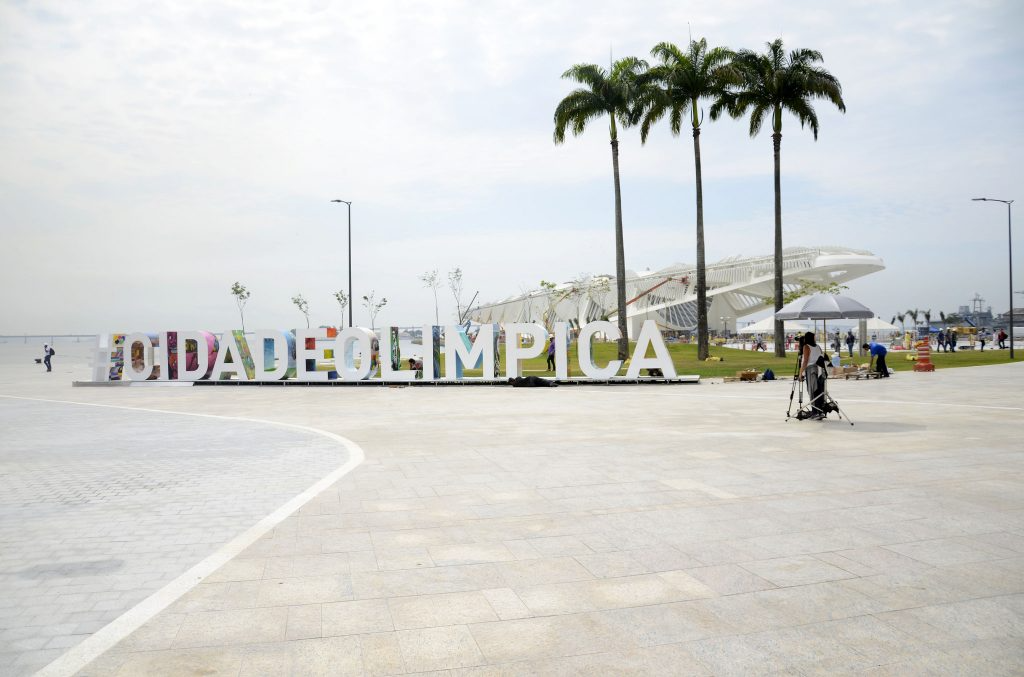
{"x": 48, "y": 353}
{"x": 951, "y": 337}
{"x": 1002, "y": 339}
{"x": 551, "y": 354}
{"x": 814, "y": 373}
{"x": 878, "y": 353}
{"x": 850, "y": 340}
{"x": 940, "y": 341}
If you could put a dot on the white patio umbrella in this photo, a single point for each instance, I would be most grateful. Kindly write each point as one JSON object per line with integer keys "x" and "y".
{"x": 824, "y": 307}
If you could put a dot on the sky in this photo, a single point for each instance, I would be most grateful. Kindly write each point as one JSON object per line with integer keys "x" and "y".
{"x": 153, "y": 153}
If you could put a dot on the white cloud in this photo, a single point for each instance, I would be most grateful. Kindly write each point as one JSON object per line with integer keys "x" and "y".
{"x": 183, "y": 146}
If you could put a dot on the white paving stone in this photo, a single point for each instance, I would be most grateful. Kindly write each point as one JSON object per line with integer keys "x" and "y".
{"x": 500, "y": 531}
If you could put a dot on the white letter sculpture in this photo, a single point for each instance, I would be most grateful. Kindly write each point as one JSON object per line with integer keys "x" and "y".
{"x": 228, "y": 348}
{"x": 314, "y": 355}
{"x": 587, "y": 365}
{"x": 344, "y": 360}
{"x": 387, "y": 372}
{"x": 513, "y": 353}
{"x": 649, "y": 335}
{"x": 279, "y": 351}
{"x": 147, "y": 357}
{"x": 482, "y": 348}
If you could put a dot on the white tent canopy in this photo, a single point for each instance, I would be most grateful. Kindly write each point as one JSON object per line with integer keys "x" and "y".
{"x": 877, "y": 325}
{"x": 767, "y": 326}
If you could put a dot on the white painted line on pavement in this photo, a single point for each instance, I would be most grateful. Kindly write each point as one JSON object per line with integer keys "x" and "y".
{"x": 99, "y": 642}
{"x": 704, "y": 396}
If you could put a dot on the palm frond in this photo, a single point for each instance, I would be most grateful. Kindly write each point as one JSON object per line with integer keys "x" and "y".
{"x": 668, "y": 53}
{"x": 757, "y": 117}
{"x": 804, "y": 112}
{"x": 588, "y": 74}
{"x": 724, "y": 103}
{"x": 799, "y": 57}
{"x": 575, "y": 110}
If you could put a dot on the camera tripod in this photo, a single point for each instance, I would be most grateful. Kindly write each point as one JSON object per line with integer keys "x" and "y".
{"x": 822, "y": 400}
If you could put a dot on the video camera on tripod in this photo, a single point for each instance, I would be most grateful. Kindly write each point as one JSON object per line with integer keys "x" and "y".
{"x": 820, "y": 404}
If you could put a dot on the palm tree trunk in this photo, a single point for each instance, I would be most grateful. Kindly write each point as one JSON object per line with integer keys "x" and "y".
{"x": 620, "y": 257}
{"x": 780, "y": 338}
{"x": 702, "y": 283}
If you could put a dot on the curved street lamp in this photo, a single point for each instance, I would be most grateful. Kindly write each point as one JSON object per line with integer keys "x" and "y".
{"x": 1009, "y": 236}
{"x": 351, "y": 300}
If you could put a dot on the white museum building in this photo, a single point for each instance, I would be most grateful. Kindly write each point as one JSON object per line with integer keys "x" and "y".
{"x": 736, "y": 287}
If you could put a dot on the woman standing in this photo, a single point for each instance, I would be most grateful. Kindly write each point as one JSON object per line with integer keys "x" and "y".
{"x": 811, "y": 370}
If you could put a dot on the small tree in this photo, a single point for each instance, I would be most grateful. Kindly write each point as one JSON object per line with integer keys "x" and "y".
{"x": 431, "y": 280}
{"x": 552, "y": 300}
{"x": 303, "y": 306}
{"x": 578, "y": 294}
{"x": 598, "y": 292}
{"x": 928, "y": 319}
{"x": 342, "y": 298}
{"x": 241, "y": 295}
{"x": 455, "y": 284}
{"x": 811, "y": 287}
{"x": 373, "y": 307}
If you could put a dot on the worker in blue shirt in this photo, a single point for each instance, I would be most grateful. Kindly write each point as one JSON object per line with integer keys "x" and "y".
{"x": 878, "y": 353}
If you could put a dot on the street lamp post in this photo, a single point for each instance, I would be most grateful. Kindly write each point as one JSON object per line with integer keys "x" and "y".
{"x": 351, "y": 300}
{"x": 725, "y": 325}
{"x": 1009, "y": 237}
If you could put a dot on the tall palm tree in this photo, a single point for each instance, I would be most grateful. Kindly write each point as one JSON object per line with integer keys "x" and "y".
{"x": 774, "y": 82}
{"x": 675, "y": 87}
{"x": 614, "y": 94}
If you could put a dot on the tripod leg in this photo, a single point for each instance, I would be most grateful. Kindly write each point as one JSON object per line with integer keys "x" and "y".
{"x": 842, "y": 413}
{"x": 796, "y": 377}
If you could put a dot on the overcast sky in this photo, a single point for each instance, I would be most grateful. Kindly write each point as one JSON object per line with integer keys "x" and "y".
{"x": 153, "y": 153}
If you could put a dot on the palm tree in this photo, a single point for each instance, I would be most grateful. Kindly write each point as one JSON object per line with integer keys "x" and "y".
{"x": 914, "y": 314}
{"x": 675, "y": 87}
{"x": 774, "y": 82}
{"x": 613, "y": 94}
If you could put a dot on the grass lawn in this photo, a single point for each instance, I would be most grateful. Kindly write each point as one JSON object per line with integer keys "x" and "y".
{"x": 684, "y": 357}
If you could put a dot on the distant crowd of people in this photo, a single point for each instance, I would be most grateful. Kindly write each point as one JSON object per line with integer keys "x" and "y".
{"x": 946, "y": 340}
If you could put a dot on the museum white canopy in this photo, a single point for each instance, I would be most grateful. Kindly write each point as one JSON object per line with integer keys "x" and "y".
{"x": 736, "y": 287}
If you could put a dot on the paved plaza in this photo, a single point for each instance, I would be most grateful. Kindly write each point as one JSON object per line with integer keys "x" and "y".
{"x": 685, "y": 530}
